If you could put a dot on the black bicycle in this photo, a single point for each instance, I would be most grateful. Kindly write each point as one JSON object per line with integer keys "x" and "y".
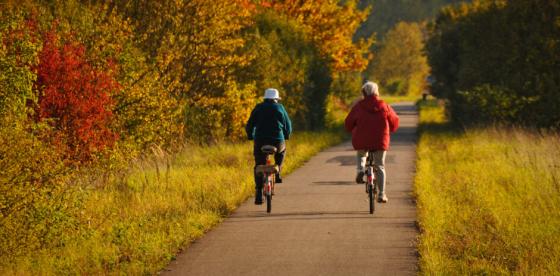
{"x": 268, "y": 172}
{"x": 371, "y": 183}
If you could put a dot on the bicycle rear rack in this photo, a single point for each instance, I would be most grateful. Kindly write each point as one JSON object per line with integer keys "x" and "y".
{"x": 267, "y": 169}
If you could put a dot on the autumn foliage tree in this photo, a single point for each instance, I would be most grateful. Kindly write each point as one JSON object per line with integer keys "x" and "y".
{"x": 75, "y": 97}
{"x": 194, "y": 51}
{"x": 331, "y": 24}
{"x": 305, "y": 48}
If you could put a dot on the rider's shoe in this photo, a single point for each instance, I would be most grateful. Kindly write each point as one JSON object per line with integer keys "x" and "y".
{"x": 278, "y": 178}
{"x": 360, "y": 178}
{"x": 258, "y": 197}
{"x": 258, "y": 201}
{"x": 382, "y": 199}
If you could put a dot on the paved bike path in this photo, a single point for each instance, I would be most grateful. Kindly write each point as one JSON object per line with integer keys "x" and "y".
{"x": 320, "y": 222}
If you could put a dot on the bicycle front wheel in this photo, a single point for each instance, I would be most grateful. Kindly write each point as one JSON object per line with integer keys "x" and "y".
{"x": 371, "y": 199}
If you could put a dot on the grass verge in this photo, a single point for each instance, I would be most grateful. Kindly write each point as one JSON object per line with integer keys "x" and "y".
{"x": 488, "y": 199}
{"x": 136, "y": 223}
{"x": 397, "y": 99}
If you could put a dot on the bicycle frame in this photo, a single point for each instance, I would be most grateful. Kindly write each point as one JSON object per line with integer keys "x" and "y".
{"x": 268, "y": 176}
{"x": 268, "y": 173}
{"x": 370, "y": 173}
{"x": 371, "y": 183}
{"x": 370, "y": 169}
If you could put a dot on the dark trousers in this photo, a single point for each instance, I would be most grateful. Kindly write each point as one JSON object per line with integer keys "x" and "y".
{"x": 260, "y": 157}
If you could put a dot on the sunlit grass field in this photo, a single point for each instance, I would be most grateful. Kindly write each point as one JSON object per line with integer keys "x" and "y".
{"x": 488, "y": 199}
{"x": 135, "y": 223}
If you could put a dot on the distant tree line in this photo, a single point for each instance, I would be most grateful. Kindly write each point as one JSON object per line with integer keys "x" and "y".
{"x": 499, "y": 61}
{"x": 386, "y": 14}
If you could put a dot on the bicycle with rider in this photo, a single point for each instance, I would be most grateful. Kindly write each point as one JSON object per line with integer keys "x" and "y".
{"x": 370, "y": 121}
{"x": 269, "y": 124}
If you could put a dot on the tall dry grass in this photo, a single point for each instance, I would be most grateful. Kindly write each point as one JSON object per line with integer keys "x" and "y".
{"x": 135, "y": 222}
{"x": 488, "y": 199}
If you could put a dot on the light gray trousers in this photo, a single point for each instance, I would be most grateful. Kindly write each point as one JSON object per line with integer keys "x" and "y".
{"x": 379, "y": 163}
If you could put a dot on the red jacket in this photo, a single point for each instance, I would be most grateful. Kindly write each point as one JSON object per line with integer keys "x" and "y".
{"x": 370, "y": 122}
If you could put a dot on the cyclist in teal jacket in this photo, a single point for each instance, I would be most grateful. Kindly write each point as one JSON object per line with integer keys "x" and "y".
{"x": 269, "y": 124}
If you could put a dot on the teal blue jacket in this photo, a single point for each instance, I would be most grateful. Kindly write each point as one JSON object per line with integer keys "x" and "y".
{"x": 269, "y": 121}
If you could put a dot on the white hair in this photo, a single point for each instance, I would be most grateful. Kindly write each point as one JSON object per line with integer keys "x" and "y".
{"x": 370, "y": 88}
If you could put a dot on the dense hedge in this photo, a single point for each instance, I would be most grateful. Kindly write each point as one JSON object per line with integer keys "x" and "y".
{"x": 498, "y": 61}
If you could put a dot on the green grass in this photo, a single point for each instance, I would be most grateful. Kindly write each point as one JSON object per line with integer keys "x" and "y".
{"x": 135, "y": 223}
{"x": 488, "y": 199}
{"x": 396, "y": 99}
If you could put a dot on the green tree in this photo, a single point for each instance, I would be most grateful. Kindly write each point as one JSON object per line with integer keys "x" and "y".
{"x": 486, "y": 51}
{"x": 194, "y": 53}
{"x": 286, "y": 58}
{"x": 316, "y": 39}
{"x": 401, "y": 66}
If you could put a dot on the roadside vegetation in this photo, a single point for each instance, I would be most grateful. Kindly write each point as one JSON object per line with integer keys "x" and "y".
{"x": 401, "y": 67}
{"x": 388, "y": 13}
{"x": 488, "y": 170}
{"x": 104, "y": 105}
{"x": 136, "y": 222}
{"x": 400, "y": 64}
{"x": 488, "y": 198}
{"x": 507, "y": 79}
{"x": 397, "y": 99}
{"x": 121, "y": 122}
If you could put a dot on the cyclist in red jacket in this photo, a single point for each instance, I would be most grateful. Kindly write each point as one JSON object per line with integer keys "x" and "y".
{"x": 370, "y": 122}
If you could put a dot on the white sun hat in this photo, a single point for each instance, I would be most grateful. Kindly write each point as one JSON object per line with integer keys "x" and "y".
{"x": 272, "y": 93}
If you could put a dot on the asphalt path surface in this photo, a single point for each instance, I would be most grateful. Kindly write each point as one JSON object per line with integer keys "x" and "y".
{"x": 320, "y": 222}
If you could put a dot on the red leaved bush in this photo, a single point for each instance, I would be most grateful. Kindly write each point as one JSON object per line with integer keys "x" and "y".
{"x": 76, "y": 96}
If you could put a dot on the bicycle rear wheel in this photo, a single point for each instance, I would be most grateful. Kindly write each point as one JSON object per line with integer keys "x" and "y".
{"x": 371, "y": 199}
{"x": 268, "y": 203}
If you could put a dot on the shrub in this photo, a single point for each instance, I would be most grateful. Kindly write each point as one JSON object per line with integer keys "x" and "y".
{"x": 488, "y": 104}
{"x": 18, "y": 51}
{"x": 220, "y": 118}
{"x": 75, "y": 97}
{"x": 38, "y": 208}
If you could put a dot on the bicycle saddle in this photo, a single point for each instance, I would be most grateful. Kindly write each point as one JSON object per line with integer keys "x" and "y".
{"x": 268, "y": 149}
